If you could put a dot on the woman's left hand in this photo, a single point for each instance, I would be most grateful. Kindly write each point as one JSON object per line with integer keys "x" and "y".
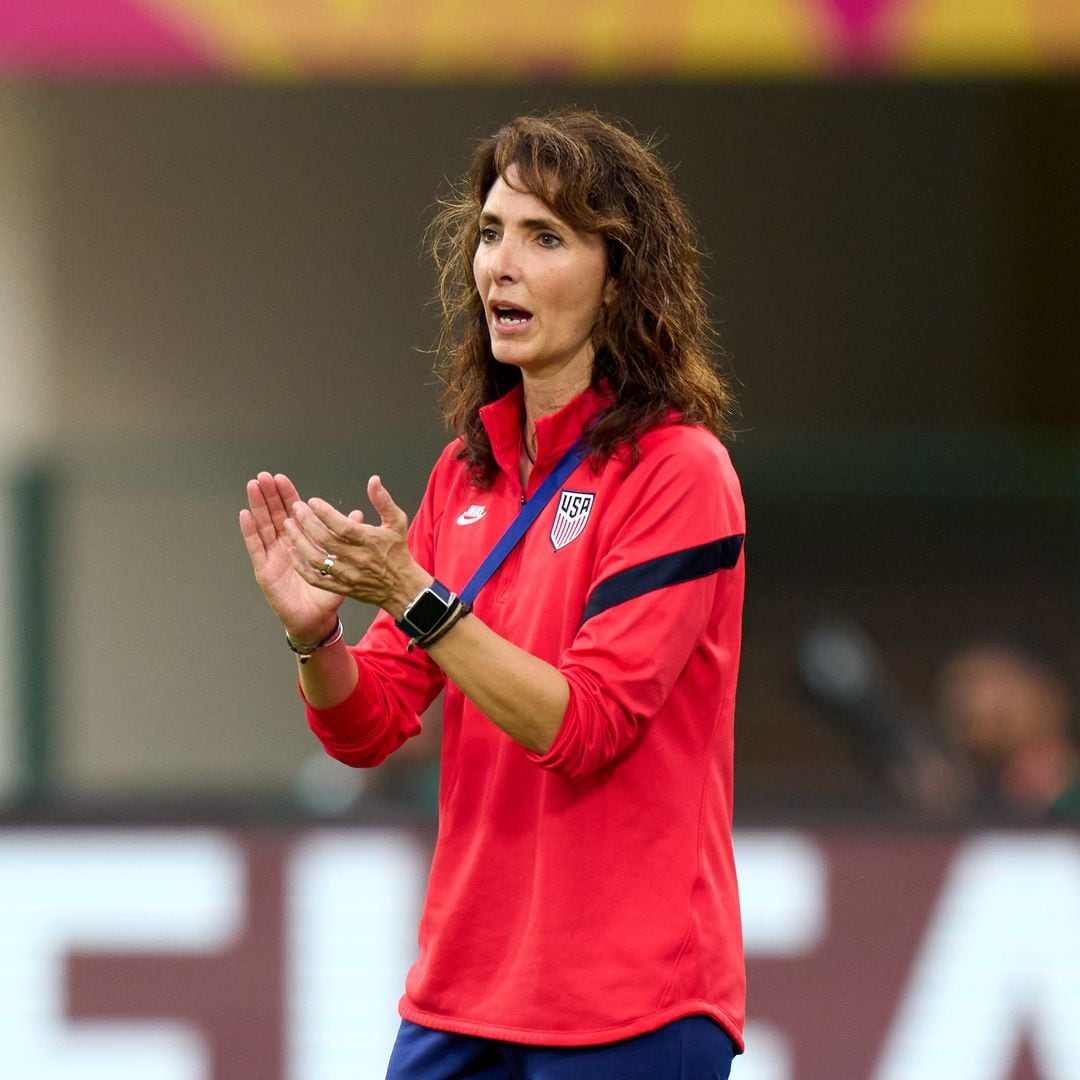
{"x": 343, "y": 554}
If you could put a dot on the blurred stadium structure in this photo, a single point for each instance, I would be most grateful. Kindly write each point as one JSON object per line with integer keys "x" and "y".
{"x": 210, "y": 263}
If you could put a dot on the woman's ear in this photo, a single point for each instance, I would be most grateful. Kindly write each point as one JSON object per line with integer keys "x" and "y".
{"x": 610, "y": 289}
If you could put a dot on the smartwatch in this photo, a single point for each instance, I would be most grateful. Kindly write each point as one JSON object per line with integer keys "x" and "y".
{"x": 426, "y": 611}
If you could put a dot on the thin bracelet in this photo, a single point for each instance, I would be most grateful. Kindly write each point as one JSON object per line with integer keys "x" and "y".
{"x": 446, "y": 625}
{"x": 305, "y": 652}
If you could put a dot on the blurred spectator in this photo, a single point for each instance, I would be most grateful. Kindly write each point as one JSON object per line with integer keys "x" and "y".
{"x": 1007, "y": 712}
{"x": 1002, "y": 746}
{"x": 844, "y": 674}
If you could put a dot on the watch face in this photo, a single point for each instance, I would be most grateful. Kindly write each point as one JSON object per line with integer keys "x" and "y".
{"x": 425, "y": 612}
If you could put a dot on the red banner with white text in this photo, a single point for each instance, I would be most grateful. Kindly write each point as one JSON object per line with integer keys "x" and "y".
{"x": 217, "y": 954}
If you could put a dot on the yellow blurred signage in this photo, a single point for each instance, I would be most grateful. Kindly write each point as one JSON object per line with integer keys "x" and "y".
{"x": 410, "y": 40}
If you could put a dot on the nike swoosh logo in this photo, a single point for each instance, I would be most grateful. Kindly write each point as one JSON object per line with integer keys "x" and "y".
{"x": 472, "y": 515}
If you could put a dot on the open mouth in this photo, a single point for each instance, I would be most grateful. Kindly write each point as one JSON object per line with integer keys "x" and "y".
{"x": 505, "y": 315}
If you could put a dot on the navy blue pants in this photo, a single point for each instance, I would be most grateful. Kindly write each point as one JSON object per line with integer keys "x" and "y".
{"x": 693, "y": 1048}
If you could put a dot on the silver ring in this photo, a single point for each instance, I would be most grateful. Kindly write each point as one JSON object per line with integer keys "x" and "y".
{"x": 327, "y": 565}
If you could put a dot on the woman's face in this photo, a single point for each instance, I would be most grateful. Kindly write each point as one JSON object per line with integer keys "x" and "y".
{"x": 543, "y": 284}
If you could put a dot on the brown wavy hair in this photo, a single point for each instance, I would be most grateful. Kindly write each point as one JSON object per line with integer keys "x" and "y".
{"x": 654, "y": 344}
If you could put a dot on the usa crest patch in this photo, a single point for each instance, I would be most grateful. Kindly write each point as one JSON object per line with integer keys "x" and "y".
{"x": 570, "y": 517}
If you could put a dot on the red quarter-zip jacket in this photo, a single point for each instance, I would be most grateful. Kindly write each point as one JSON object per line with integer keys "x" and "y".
{"x": 587, "y": 894}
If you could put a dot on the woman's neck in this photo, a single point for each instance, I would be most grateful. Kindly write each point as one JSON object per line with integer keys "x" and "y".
{"x": 544, "y": 397}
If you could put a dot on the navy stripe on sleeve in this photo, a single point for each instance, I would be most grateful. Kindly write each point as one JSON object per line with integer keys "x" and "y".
{"x": 673, "y": 569}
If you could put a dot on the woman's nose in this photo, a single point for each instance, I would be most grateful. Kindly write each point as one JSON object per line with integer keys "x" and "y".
{"x": 504, "y": 264}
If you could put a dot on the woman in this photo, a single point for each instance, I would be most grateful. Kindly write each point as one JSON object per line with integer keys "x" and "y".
{"x": 582, "y": 914}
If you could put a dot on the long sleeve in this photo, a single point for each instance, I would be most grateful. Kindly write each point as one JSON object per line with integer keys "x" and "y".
{"x": 394, "y": 686}
{"x": 673, "y": 539}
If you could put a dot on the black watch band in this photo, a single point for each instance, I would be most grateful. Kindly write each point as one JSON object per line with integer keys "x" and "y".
{"x": 427, "y": 611}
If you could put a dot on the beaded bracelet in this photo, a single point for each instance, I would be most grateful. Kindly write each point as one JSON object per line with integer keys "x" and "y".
{"x": 305, "y": 652}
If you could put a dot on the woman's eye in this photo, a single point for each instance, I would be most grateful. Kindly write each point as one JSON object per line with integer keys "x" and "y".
{"x": 549, "y": 240}
{"x": 488, "y": 236}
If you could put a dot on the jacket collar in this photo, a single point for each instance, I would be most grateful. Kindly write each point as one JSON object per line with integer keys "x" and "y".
{"x": 555, "y": 433}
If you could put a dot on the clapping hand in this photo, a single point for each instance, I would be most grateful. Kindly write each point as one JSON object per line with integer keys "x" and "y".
{"x": 308, "y": 613}
{"x": 308, "y": 556}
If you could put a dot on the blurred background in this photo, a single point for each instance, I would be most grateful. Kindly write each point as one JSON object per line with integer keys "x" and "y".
{"x": 211, "y": 263}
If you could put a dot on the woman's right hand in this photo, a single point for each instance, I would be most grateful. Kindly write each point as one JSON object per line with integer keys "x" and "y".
{"x": 307, "y": 613}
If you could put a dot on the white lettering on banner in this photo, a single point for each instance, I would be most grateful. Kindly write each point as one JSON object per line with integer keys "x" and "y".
{"x": 768, "y": 1053}
{"x": 1000, "y": 960}
{"x": 783, "y": 892}
{"x": 106, "y": 890}
{"x": 997, "y": 962}
{"x": 353, "y": 906}
{"x": 783, "y": 888}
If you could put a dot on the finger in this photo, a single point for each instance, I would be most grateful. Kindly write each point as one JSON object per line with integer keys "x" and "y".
{"x": 268, "y": 510}
{"x": 273, "y": 489}
{"x": 326, "y": 582}
{"x": 311, "y": 519}
{"x": 249, "y": 529}
{"x": 286, "y": 489}
{"x": 391, "y": 515}
{"x": 260, "y": 512}
{"x": 306, "y": 547}
{"x": 328, "y": 525}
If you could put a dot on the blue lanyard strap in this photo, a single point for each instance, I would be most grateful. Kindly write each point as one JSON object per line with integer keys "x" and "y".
{"x": 525, "y": 517}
